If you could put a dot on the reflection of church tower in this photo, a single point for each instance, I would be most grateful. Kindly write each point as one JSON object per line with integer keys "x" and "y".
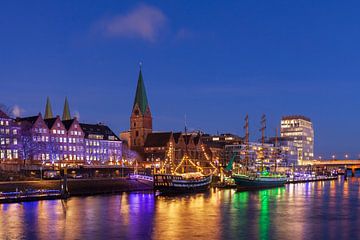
{"x": 140, "y": 120}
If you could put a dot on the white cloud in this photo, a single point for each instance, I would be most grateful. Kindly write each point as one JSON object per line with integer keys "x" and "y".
{"x": 17, "y": 111}
{"x": 143, "y": 22}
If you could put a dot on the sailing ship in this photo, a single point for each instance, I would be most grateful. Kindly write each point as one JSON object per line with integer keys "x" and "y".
{"x": 185, "y": 181}
{"x": 246, "y": 179}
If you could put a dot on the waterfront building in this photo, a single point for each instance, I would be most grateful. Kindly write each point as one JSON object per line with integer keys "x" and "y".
{"x": 165, "y": 150}
{"x": 297, "y": 134}
{"x": 35, "y": 139}
{"x": 9, "y": 139}
{"x": 216, "y": 144}
{"x": 57, "y": 147}
{"x": 52, "y": 141}
{"x": 102, "y": 146}
{"x": 75, "y": 141}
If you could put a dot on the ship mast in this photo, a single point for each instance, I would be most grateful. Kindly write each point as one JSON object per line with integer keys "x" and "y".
{"x": 186, "y": 146}
{"x": 246, "y": 127}
{"x": 262, "y": 129}
{"x": 276, "y": 148}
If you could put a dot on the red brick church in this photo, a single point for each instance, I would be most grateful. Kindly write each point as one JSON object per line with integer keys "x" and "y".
{"x": 161, "y": 148}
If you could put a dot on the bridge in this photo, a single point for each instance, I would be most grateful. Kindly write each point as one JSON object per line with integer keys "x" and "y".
{"x": 346, "y": 163}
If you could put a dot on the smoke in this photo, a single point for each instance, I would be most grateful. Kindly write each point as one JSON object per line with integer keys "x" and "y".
{"x": 17, "y": 111}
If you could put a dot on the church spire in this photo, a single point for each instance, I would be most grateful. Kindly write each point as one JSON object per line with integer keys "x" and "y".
{"x": 140, "y": 96}
{"x": 66, "y": 113}
{"x": 48, "y": 109}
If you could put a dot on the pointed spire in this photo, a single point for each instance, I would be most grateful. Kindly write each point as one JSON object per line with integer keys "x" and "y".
{"x": 66, "y": 113}
{"x": 140, "y": 96}
{"x": 48, "y": 109}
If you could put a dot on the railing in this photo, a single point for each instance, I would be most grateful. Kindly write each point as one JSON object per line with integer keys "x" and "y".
{"x": 332, "y": 162}
{"x": 141, "y": 177}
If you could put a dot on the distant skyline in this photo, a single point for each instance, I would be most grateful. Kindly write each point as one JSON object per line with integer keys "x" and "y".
{"x": 214, "y": 62}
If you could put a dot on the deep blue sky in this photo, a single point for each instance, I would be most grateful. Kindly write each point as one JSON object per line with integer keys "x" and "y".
{"x": 213, "y": 60}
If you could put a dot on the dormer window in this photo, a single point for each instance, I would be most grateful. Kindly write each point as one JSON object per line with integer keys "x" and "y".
{"x": 136, "y": 112}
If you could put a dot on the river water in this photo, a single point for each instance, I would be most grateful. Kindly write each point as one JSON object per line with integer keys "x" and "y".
{"x": 320, "y": 210}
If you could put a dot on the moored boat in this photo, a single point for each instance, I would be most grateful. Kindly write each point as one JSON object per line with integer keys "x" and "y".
{"x": 185, "y": 177}
{"x": 246, "y": 179}
{"x": 258, "y": 181}
{"x": 182, "y": 183}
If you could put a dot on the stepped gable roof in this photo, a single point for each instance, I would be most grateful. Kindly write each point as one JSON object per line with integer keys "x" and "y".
{"x": 50, "y": 122}
{"x": 98, "y": 129}
{"x": 140, "y": 96}
{"x": 176, "y": 136}
{"x": 3, "y": 115}
{"x": 68, "y": 123}
{"x": 157, "y": 139}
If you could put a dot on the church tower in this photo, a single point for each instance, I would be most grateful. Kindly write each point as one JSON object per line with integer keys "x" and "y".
{"x": 140, "y": 120}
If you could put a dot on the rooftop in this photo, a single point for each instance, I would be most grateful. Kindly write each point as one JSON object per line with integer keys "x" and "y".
{"x": 293, "y": 117}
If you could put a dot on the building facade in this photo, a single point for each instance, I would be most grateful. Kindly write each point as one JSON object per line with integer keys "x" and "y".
{"x": 297, "y": 134}
{"x": 54, "y": 141}
{"x": 165, "y": 150}
{"x": 102, "y": 146}
{"x": 9, "y": 139}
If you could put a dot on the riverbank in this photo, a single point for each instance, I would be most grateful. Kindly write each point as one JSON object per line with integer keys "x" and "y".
{"x": 79, "y": 187}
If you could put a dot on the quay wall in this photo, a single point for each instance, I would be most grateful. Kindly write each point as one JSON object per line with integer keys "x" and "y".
{"x": 81, "y": 186}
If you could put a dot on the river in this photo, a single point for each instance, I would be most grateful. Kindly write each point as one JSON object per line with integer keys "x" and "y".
{"x": 319, "y": 210}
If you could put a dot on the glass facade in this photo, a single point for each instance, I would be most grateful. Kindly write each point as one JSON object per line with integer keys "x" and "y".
{"x": 297, "y": 134}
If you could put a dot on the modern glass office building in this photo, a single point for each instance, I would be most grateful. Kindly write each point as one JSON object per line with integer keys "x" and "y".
{"x": 298, "y": 134}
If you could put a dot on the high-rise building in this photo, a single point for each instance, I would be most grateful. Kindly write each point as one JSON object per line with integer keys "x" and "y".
{"x": 140, "y": 119}
{"x": 298, "y": 134}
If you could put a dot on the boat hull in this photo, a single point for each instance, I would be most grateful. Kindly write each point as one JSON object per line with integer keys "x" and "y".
{"x": 174, "y": 184}
{"x": 254, "y": 183}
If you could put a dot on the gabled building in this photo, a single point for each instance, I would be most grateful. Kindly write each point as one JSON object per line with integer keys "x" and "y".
{"x": 163, "y": 149}
{"x": 53, "y": 141}
{"x": 58, "y": 145}
{"x": 75, "y": 141}
{"x": 35, "y": 137}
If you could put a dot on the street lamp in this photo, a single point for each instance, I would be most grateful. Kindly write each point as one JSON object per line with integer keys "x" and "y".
{"x": 333, "y": 157}
{"x": 346, "y": 156}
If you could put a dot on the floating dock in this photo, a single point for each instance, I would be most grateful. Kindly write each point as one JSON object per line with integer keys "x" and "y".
{"x": 33, "y": 195}
{"x": 311, "y": 179}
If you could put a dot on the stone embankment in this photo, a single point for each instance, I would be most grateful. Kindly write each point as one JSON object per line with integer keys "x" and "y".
{"x": 80, "y": 186}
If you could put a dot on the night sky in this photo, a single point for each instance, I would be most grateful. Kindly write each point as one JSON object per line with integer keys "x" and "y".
{"x": 214, "y": 61}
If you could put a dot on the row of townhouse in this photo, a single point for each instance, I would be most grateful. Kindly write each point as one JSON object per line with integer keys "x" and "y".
{"x": 51, "y": 140}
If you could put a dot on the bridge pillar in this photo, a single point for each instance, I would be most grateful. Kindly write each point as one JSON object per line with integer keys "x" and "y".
{"x": 352, "y": 171}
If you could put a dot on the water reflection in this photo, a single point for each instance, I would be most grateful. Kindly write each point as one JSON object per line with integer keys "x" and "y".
{"x": 323, "y": 210}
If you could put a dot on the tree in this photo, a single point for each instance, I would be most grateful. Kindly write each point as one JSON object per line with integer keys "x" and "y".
{"x": 31, "y": 143}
